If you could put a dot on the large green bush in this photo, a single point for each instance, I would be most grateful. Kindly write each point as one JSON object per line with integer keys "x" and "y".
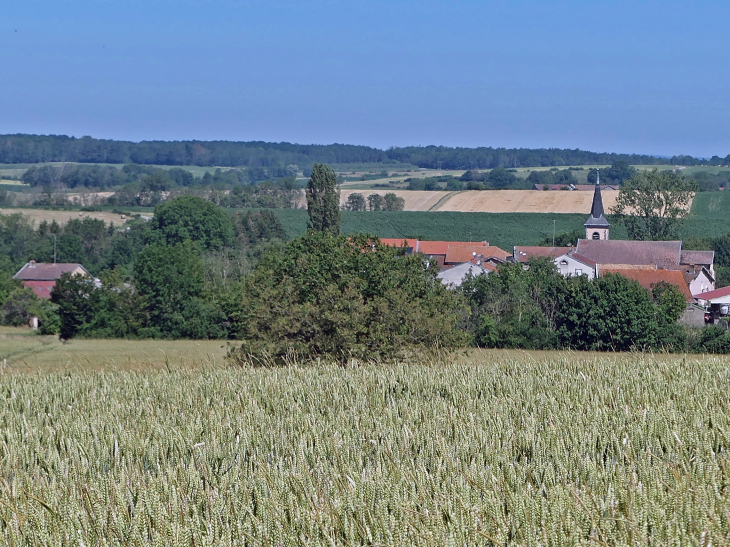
{"x": 339, "y": 297}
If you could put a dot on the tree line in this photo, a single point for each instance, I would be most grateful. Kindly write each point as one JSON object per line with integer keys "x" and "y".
{"x": 23, "y": 148}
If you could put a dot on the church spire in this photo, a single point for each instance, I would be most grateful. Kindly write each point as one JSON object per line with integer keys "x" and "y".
{"x": 597, "y": 225}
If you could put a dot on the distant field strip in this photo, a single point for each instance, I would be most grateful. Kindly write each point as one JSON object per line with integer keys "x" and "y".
{"x": 416, "y": 200}
{"x": 525, "y": 201}
{"x": 62, "y": 217}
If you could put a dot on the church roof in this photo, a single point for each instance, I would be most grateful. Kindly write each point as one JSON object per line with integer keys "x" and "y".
{"x": 615, "y": 251}
{"x": 597, "y": 220}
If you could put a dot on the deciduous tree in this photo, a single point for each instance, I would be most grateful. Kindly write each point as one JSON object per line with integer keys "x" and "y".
{"x": 652, "y": 204}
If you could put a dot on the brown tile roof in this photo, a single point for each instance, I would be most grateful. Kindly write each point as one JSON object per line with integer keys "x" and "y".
{"x": 456, "y": 254}
{"x": 41, "y": 271}
{"x": 523, "y": 254}
{"x": 660, "y": 253}
{"x": 402, "y": 242}
{"x": 704, "y": 258}
{"x": 648, "y": 278}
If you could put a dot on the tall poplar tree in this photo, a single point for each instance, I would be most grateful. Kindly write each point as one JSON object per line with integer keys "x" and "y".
{"x": 323, "y": 199}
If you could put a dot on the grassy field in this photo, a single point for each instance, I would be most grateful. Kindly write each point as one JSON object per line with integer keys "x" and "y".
{"x": 479, "y": 448}
{"x": 501, "y": 229}
{"x": 709, "y": 218}
{"x": 22, "y": 350}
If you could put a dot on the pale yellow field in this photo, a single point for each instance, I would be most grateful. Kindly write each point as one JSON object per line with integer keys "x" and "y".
{"x": 22, "y": 350}
{"x": 525, "y": 201}
{"x": 62, "y": 217}
{"x": 416, "y": 200}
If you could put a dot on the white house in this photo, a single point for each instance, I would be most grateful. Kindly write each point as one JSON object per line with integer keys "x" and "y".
{"x": 571, "y": 264}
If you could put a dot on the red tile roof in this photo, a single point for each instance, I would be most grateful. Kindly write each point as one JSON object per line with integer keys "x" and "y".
{"x": 41, "y": 271}
{"x": 395, "y": 242}
{"x": 523, "y": 254}
{"x": 439, "y": 247}
{"x": 710, "y": 295}
{"x": 604, "y": 251}
{"x": 456, "y": 254}
{"x": 650, "y": 278}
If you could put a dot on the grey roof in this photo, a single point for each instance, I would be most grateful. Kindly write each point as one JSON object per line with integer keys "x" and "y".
{"x": 704, "y": 258}
{"x": 597, "y": 220}
{"x": 41, "y": 271}
{"x": 607, "y": 251}
{"x": 454, "y": 276}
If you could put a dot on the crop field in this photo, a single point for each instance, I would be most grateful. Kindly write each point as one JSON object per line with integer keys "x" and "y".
{"x": 503, "y": 230}
{"x": 415, "y": 200}
{"x": 524, "y": 201}
{"x": 62, "y": 217}
{"x": 477, "y": 448}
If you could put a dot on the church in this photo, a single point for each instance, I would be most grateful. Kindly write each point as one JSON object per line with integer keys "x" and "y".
{"x": 648, "y": 262}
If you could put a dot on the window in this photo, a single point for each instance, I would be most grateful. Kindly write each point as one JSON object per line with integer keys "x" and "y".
{"x": 596, "y": 235}
{"x": 563, "y": 262}
{"x": 578, "y": 271}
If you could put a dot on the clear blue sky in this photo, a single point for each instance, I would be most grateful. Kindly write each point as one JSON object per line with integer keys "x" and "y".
{"x": 646, "y": 77}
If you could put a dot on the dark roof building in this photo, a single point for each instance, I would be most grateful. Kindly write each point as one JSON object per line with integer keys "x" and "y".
{"x": 41, "y": 277}
{"x": 659, "y": 253}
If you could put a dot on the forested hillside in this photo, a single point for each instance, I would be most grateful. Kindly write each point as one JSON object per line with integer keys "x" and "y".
{"x": 49, "y": 148}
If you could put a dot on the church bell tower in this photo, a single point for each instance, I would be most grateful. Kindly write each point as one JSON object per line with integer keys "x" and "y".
{"x": 597, "y": 225}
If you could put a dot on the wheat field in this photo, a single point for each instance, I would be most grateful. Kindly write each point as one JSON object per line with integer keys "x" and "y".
{"x": 479, "y": 448}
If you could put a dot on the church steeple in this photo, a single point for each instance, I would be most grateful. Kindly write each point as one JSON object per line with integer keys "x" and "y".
{"x": 597, "y": 225}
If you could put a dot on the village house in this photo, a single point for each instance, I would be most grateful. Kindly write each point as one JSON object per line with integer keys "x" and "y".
{"x": 42, "y": 277}
{"x": 456, "y": 259}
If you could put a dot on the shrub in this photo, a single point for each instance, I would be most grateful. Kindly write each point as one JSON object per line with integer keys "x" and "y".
{"x": 339, "y": 297}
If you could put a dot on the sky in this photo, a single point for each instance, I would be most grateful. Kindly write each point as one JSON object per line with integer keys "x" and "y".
{"x": 608, "y": 76}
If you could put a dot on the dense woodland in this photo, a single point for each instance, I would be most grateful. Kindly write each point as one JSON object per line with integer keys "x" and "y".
{"x": 58, "y": 148}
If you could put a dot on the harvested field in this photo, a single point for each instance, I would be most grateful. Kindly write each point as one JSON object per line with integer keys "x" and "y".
{"x": 416, "y": 200}
{"x": 525, "y": 201}
{"x": 62, "y": 217}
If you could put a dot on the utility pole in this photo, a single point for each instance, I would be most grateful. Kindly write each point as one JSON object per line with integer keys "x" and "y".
{"x": 553, "y": 233}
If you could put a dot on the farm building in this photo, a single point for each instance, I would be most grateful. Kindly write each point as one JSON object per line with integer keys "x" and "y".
{"x": 718, "y": 296}
{"x": 42, "y": 277}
